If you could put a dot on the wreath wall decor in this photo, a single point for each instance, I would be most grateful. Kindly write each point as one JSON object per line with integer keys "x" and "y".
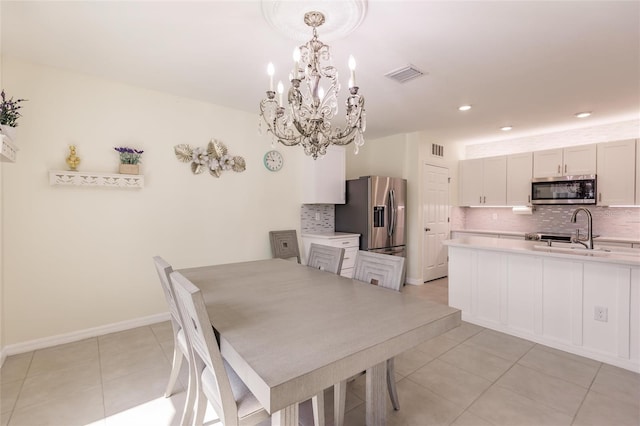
{"x": 214, "y": 157}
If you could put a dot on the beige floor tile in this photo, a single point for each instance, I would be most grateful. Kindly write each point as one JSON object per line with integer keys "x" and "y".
{"x": 558, "y": 394}
{"x": 157, "y": 411}
{"x": 561, "y": 365}
{"x": 437, "y": 346}
{"x": 463, "y": 332}
{"x": 67, "y": 409}
{"x": 8, "y": 395}
{"x": 501, "y": 406}
{"x": 131, "y": 360}
{"x": 163, "y": 331}
{"x": 598, "y": 409}
{"x": 418, "y": 407}
{"x": 4, "y": 418}
{"x": 63, "y": 356}
{"x": 500, "y": 344}
{"x": 136, "y": 338}
{"x": 475, "y": 360}
{"x": 469, "y": 419}
{"x": 450, "y": 382}
{"x": 15, "y": 367}
{"x": 137, "y": 388}
{"x": 58, "y": 383}
{"x": 618, "y": 383}
{"x": 411, "y": 360}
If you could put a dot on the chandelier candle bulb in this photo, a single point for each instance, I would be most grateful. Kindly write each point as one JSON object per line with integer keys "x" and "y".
{"x": 270, "y": 72}
{"x": 296, "y": 62}
{"x": 352, "y": 67}
{"x": 280, "y": 91}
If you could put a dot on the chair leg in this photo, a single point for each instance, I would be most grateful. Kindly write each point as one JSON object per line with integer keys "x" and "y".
{"x": 339, "y": 400}
{"x": 175, "y": 369}
{"x": 201, "y": 408}
{"x": 187, "y": 414}
{"x": 318, "y": 409}
{"x": 391, "y": 384}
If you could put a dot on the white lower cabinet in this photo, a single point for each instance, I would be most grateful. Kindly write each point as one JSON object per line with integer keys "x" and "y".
{"x": 588, "y": 308}
{"x": 350, "y": 243}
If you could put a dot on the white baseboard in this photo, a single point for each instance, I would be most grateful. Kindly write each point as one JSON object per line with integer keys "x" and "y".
{"x": 413, "y": 281}
{"x": 75, "y": 336}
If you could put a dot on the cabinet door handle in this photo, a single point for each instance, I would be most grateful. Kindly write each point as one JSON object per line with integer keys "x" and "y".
{"x": 480, "y": 200}
{"x": 345, "y": 242}
{"x": 565, "y": 168}
{"x": 558, "y": 168}
{"x": 528, "y": 198}
{"x": 599, "y": 196}
{"x": 484, "y": 200}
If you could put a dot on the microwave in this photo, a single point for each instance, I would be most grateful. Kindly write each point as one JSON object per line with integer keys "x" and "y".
{"x": 564, "y": 190}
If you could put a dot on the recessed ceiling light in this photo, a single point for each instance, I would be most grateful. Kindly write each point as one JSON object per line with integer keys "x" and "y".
{"x": 583, "y": 114}
{"x": 464, "y": 108}
{"x": 506, "y": 128}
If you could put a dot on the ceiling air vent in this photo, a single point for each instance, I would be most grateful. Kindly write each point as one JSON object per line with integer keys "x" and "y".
{"x": 437, "y": 150}
{"x": 404, "y": 74}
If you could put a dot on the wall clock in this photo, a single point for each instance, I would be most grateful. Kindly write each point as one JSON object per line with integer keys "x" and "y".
{"x": 273, "y": 160}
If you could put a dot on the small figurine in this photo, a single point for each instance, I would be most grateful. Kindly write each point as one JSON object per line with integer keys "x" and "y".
{"x": 73, "y": 160}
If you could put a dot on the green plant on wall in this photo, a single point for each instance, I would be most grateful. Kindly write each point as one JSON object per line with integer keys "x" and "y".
{"x": 9, "y": 113}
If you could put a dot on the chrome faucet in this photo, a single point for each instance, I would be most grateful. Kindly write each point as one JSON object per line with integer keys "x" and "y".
{"x": 588, "y": 241}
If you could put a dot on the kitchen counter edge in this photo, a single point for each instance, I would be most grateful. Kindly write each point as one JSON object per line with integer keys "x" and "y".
{"x": 528, "y": 247}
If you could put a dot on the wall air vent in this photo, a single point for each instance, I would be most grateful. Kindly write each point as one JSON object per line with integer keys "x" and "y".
{"x": 404, "y": 74}
{"x": 437, "y": 150}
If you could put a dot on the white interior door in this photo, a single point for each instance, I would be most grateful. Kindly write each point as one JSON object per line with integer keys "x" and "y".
{"x": 435, "y": 213}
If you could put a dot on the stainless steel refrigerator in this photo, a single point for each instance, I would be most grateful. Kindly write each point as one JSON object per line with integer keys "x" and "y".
{"x": 375, "y": 209}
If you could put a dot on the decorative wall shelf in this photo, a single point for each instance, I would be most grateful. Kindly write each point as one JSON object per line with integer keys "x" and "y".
{"x": 9, "y": 151}
{"x": 112, "y": 180}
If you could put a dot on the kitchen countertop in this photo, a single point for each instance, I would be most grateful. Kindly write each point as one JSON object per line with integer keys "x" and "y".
{"x": 629, "y": 257}
{"x": 329, "y": 235}
{"x": 599, "y": 239}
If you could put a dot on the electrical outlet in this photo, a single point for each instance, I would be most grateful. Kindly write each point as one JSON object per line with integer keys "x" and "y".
{"x": 494, "y": 216}
{"x": 600, "y": 313}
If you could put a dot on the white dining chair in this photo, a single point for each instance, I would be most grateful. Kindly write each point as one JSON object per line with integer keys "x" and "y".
{"x": 325, "y": 258}
{"x": 284, "y": 244}
{"x": 213, "y": 379}
{"x": 385, "y": 271}
{"x": 180, "y": 350}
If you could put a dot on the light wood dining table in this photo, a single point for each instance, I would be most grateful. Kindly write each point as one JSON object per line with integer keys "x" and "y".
{"x": 291, "y": 331}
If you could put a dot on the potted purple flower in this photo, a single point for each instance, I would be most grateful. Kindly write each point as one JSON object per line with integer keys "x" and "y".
{"x": 129, "y": 160}
{"x": 9, "y": 115}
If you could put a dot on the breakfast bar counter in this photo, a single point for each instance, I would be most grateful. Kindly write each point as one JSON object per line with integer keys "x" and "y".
{"x": 581, "y": 301}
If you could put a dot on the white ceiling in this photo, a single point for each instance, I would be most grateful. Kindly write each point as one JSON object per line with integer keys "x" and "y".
{"x": 529, "y": 64}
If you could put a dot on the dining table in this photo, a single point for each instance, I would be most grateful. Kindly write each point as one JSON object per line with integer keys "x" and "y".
{"x": 290, "y": 331}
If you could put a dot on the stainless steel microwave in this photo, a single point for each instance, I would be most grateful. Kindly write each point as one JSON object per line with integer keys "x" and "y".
{"x": 564, "y": 190}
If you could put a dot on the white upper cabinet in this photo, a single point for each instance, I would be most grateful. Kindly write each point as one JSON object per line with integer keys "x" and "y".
{"x": 483, "y": 182}
{"x": 324, "y": 178}
{"x": 519, "y": 174}
{"x": 617, "y": 173}
{"x": 575, "y": 160}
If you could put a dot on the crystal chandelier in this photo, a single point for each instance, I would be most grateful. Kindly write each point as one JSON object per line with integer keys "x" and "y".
{"x": 306, "y": 118}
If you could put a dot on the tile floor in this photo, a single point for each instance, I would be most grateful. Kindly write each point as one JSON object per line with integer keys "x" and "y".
{"x": 468, "y": 376}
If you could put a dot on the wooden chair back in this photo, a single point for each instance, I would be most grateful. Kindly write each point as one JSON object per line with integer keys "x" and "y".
{"x": 326, "y": 258}
{"x": 205, "y": 350}
{"x": 284, "y": 244}
{"x": 384, "y": 270}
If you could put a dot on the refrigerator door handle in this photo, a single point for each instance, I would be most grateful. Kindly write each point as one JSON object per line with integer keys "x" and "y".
{"x": 392, "y": 212}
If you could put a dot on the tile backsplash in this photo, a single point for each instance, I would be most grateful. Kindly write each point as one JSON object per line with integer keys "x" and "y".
{"x": 618, "y": 222}
{"x": 317, "y": 218}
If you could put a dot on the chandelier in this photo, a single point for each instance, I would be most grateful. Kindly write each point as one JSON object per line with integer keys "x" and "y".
{"x": 306, "y": 118}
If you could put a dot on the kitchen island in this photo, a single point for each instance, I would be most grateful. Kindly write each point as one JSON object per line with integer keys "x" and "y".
{"x": 586, "y": 302}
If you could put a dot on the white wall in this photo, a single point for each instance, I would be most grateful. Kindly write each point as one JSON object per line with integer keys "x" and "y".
{"x": 76, "y": 258}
